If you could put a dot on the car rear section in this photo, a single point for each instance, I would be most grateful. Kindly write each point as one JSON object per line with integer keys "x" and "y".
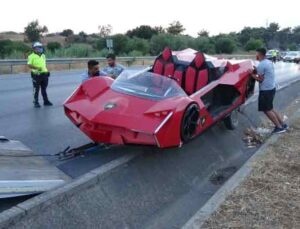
{"x": 116, "y": 118}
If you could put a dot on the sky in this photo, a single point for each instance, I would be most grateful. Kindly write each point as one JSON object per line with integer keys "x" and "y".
{"x": 215, "y": 16}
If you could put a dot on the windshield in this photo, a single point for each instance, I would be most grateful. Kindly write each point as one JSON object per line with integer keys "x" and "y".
{"x": 147, "y": 85}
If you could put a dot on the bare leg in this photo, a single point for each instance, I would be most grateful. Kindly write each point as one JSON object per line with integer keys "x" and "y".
{"x": 278, "y": 117}
{"x": 272, "y": 116}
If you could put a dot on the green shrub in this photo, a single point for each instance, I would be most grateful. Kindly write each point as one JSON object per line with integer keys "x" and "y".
{"x": 254, "y": 44}
{"x": 74, "y": 50}
{"x": 203, "y": 44}
{"x": 292, "y": 47}
{"x": 13, "y": 49}
{"x": 225, "y": 45}
{"x": 52, "y": 46}
{"x": 103, "y": 52}
{"x": 5, "y": 48}
{"x": 135, "y": 53}
{"x": 175, "y": 42}
{"x": 138, "y": 44}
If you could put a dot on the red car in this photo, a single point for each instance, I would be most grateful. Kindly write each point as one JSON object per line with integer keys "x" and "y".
{"x": 166, "y": 105}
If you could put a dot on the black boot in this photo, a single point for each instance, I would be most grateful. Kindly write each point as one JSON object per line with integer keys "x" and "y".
{"x": 36, "y": 105}
{"x": 48, "y": 103}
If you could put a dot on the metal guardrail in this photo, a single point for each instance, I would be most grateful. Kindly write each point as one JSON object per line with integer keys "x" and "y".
{"x": 69, "y": 61}
{"x": 72, "y": 60}
{"x": 128, "y": 60}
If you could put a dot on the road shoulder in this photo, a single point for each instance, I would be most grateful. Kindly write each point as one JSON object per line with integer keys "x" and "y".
{"x": 264, "y": 193}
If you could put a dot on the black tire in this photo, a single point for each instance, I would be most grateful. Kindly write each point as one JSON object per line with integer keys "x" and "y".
{"x": 189, "y": 122}
{"x": 232, "y": 121}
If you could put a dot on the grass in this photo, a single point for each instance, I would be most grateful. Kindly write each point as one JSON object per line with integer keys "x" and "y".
{"x": 270, "y": 196}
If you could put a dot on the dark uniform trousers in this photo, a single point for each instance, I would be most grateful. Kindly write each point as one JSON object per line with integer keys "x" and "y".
{"x": 39, "y": 81}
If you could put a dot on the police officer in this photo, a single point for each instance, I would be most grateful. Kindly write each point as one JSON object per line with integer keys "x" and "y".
{"x": 39, "y": 74}
{"x": 274, "y": 56}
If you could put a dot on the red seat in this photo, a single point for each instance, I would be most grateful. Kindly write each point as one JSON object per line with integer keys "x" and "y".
{"x": 179, "y": 76}
{"x": 202, "y": 79}
{"x": 164, "y": 64}
{"x": 196, "y": 75}
{"x": 190, "y": 78}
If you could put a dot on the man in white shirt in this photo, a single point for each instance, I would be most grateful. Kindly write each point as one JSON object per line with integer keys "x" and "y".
{"x": 113, "y": 69}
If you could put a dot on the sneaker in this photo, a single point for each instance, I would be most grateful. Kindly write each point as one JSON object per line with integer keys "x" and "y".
{"x": 285, "y": 126}
{"x": 48, "y": 103}
{"x": 278, "y": 130}
{"x": 37, "y": 105}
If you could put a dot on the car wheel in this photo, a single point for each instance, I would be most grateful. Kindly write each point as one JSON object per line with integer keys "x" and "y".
{"x": 189, "y": 122}
{"x": 232, "y": 121}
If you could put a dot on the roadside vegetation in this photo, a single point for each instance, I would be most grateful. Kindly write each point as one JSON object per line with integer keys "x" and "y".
{"x": 269, "y": 197}
{"x": 145, "y": 40}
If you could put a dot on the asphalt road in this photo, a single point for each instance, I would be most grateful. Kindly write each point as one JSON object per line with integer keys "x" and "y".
{"x": 48, "y": 131}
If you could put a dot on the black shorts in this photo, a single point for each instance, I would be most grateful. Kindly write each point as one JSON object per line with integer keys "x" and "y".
{"x": 265, "y": 100}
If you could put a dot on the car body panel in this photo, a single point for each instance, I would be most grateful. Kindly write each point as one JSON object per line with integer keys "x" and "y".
{"x": 108, "y": 115}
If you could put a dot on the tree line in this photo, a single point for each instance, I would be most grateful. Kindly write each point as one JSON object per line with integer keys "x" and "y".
{"x": 147, "y": 40}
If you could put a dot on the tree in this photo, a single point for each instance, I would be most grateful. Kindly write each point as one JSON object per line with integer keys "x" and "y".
{"x": 247, "y": 32}
{"x": 52, "y": 46}
{"x": 67, "y": 32}
{"x": 284, "y": 36}
{"x": 270, "y": 35}
{"x": 225, "y": 45}
{"x": 273, "y": 27}
{"x": 105, "y": 30}
{"x": 143, "y": 31}
{"x": 159, "y": 29}
{"x": 296, "y": 35}
{"x": 203, "y": 33}
{"x": 175, "y": 28}
{"x": 34, "y": 31}
{"x": 100, "y": 44}
{"x": 120, "y": 42}
{"x": 82, "y": 36}
{"x": 254, "y": 44}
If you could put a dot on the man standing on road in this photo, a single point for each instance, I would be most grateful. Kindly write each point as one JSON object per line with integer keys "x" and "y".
{"x": 274, "y": 56}
{"x": 265, "y": 75}
{"x": 39, "y": 74}
{"x": 113, "y": 69}
{"x": 93, "y": 71}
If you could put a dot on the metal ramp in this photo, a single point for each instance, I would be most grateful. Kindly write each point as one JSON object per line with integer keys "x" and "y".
{"x": 24, "y": 173}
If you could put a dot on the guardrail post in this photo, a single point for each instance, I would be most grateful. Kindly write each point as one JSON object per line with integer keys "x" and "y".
{"x": 11, "y": 69}
{"x": 69, "y": 66}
